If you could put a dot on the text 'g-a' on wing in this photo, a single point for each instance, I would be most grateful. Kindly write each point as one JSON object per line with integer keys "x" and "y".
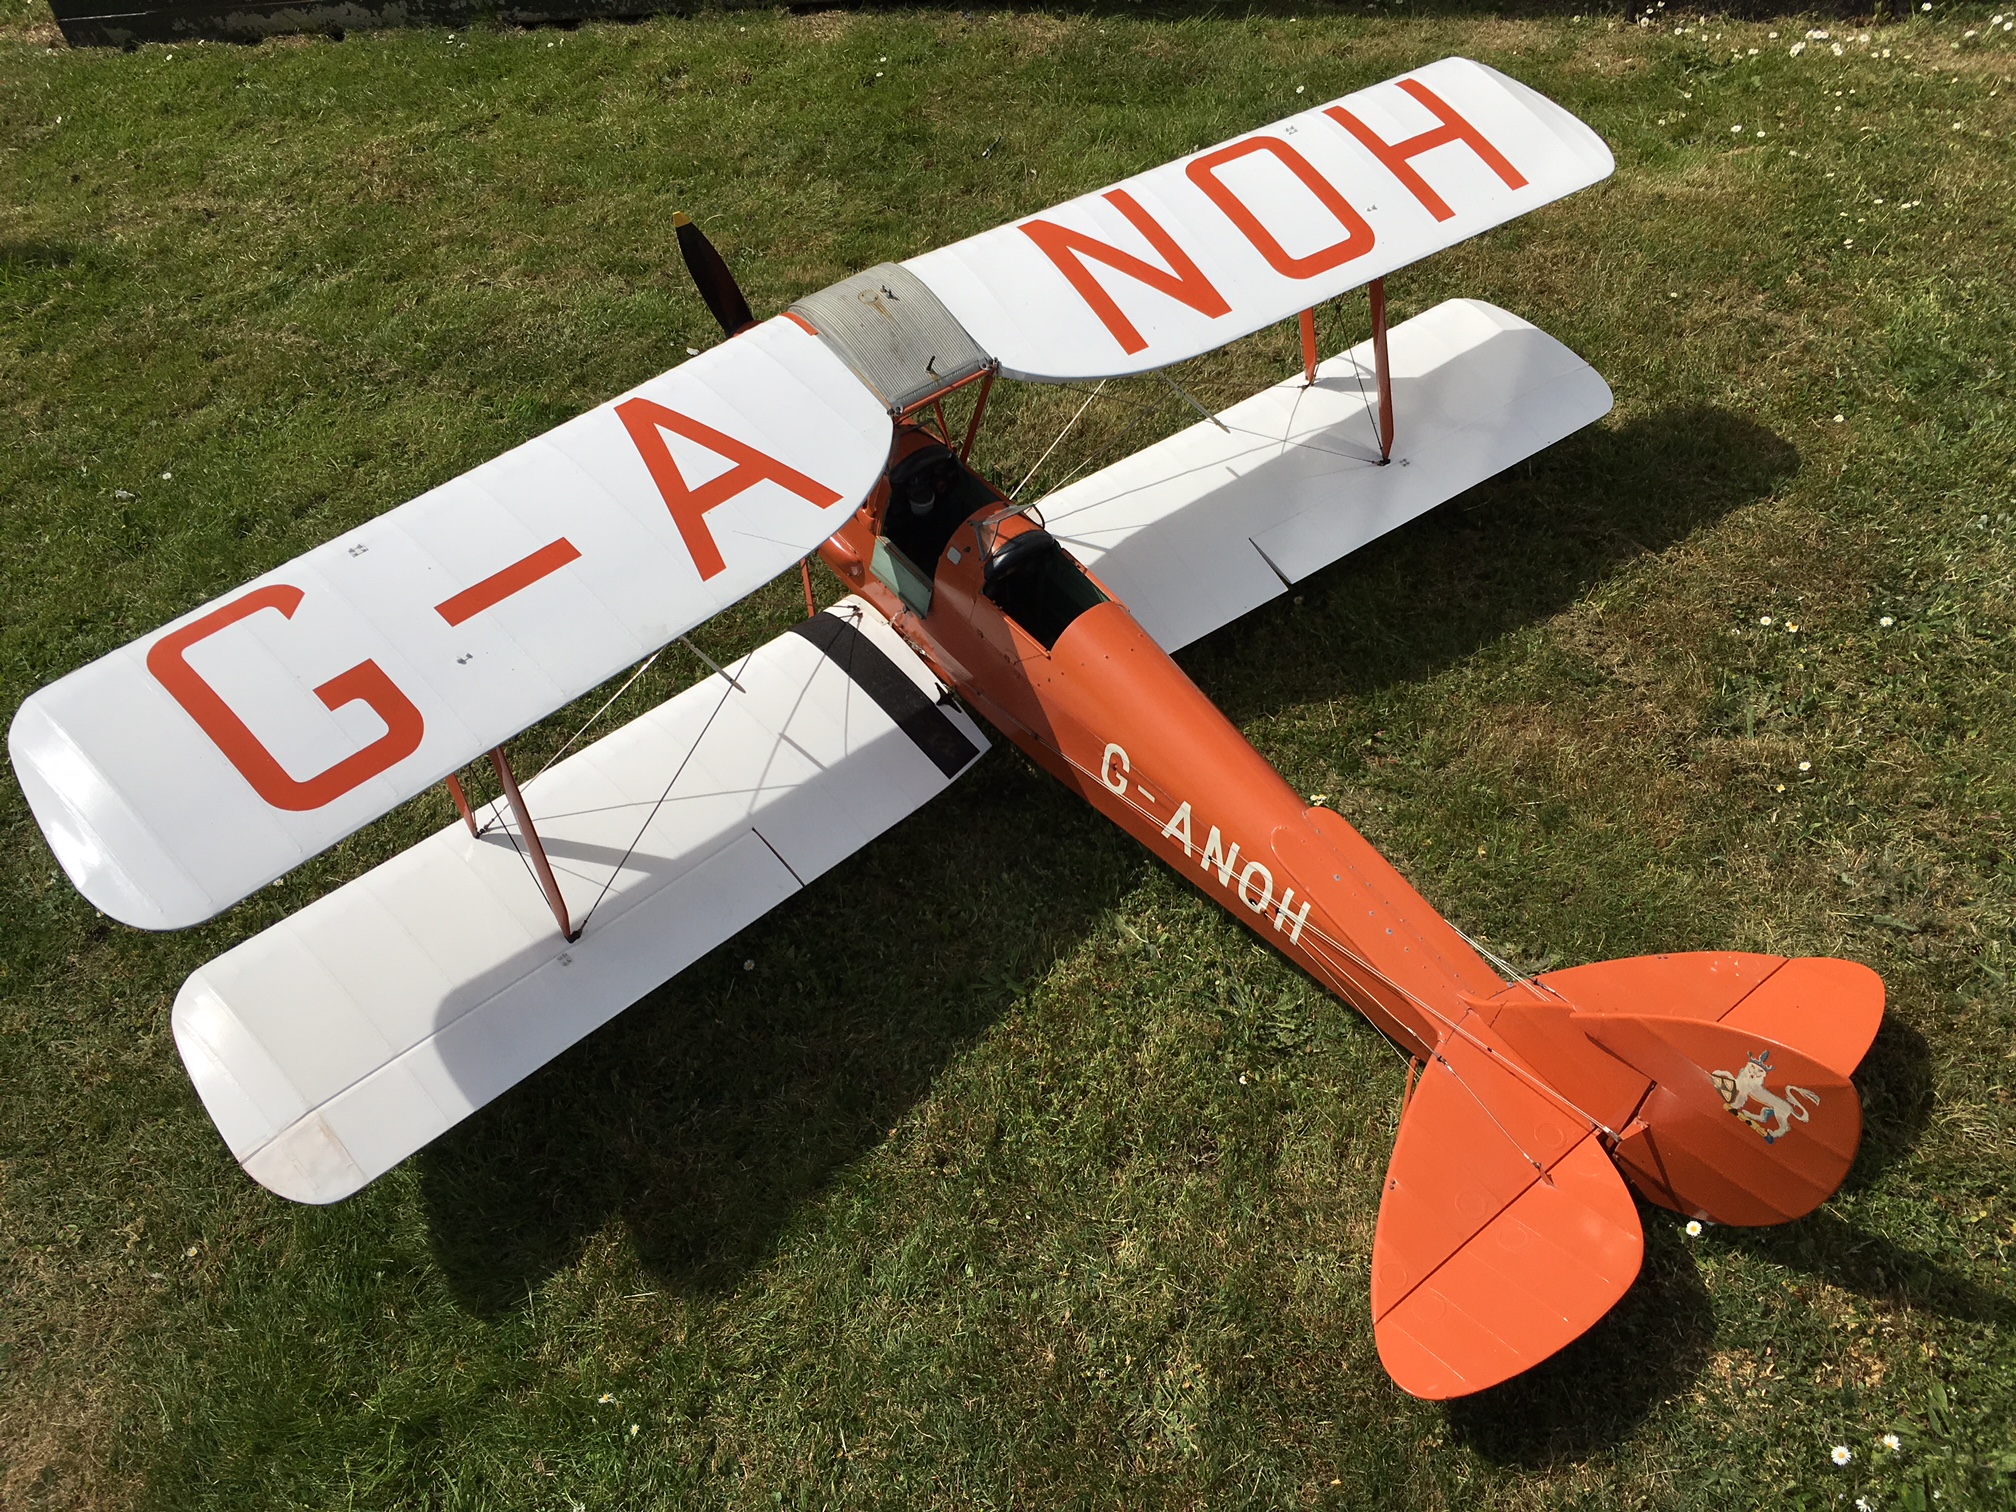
{"x": 183, "y": 771}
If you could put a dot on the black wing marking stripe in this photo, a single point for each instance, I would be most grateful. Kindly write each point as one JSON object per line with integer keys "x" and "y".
{"x": 894, "y": 693}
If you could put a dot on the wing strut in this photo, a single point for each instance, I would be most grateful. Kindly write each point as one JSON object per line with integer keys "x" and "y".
{"x": 1383, "y": 370}
{"x": 979, "y": 409}
{"x": 462, "y": 802}
{"x": 501, "y": 764}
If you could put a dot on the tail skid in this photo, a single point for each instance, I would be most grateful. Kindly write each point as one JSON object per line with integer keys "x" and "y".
{"x": 1505, "y": 1232}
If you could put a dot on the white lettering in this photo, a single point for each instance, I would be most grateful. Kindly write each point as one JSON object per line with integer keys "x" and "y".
{"x": 1281, "y": 917}
{"x": 1214, "y": 851}
{"x": 1117, "y": 781}
{"x": 1258, "y": 906}
{"x": 1181, "y": 821}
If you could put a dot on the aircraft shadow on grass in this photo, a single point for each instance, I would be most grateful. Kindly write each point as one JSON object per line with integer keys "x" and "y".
{"x": 1655, "y": 1341}
{"x": 706, "y": 1115}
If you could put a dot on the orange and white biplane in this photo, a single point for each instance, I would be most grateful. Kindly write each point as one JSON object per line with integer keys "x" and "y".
{"x": 177, "y": 775}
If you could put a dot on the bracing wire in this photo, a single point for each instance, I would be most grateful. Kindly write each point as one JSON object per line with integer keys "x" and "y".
{"x": 1358, "y": 372}
{"x": 586, "y": 725}
{"x": 590, "y": 720}
{"x": 1060, "y": 437}
{"x": 1191, "y": 399}
{"x": 1103, "y": 452}
{"x": 677, "y": 773}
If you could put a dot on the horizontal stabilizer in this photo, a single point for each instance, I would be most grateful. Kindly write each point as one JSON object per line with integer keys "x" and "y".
{"x": 1689, "y": 1057}
{"x": 1181, "y": 259}
{"x": 1214, "y": 521}
{"x": 1504, "y": 1231}
{"x": 178, "y": 774}
{"x": 336, "y": 1043}
{"x": 1823, "y": 1007}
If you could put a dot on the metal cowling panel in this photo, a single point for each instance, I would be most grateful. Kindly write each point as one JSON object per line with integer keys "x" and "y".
{"x": 895, "y": 334}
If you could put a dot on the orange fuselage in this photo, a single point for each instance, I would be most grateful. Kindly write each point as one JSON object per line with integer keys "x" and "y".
{"x": 1504, "y": 1230}
{"x": 1109, "y": 714}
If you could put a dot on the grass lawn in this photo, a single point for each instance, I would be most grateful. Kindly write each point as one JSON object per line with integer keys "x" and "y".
{"x": 1000, "y": 1169}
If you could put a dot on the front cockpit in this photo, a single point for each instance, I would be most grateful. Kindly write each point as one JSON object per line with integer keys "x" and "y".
{"x": 931, "y": 494}
{"x": 1038, "y": 584}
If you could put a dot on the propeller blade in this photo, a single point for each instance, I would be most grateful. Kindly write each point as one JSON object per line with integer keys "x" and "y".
{"x": 718, "y": 289}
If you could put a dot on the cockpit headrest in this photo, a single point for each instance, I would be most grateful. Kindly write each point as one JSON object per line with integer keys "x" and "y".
{"x": 1017, "y": 552}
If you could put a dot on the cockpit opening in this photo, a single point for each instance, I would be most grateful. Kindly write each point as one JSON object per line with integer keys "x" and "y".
{"x": 931, "y": 494}
{"x": 1039, "y": 585}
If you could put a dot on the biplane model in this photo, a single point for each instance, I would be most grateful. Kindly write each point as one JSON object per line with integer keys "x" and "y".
{"x": 179, "y": 774}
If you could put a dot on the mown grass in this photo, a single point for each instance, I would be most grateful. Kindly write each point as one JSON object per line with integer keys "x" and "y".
{"x": 999, "y": 1169}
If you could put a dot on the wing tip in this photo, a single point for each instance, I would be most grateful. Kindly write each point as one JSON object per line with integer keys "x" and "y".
{"x": 41, "y": 751}
{"x": 306, "y": 1163}
{"x": 1575, "y": 133}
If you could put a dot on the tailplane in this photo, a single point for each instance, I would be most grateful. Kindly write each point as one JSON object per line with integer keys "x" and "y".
{"x": 1504, "y": 1231}
{"x": 1719, "y": 1083}
{"x": 1735, "y": 1128}
{"x": 1723, "y": 1077}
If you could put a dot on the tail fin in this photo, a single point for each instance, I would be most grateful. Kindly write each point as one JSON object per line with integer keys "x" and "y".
{"x": 1505, "y": 1230}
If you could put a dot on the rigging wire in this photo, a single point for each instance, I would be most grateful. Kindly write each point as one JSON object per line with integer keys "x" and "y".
{"x": 1497, "y": 960}
{"x": 1115, "y": 442}
{"x": 1371, "y": 419}
{"x": 590, "y": 720}
{"x": 1510, "y": 1138}
{"x": 1104, "y": 451}
{"x": 1191, "y": 400}
{"x": 586, "y": 724}
{"x": 712, "y": 665}
{"x": 678, "y": 772}
{"x": 1060, "y": 437}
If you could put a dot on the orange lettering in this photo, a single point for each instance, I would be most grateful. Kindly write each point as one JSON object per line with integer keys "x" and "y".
{"x": 1397, "y": 156}
{"x": 1068, "y": 249}
{"x": 1357, "y": 234}
{"x": 499, "y": 586}
{"x": 643, "y": 419}
{"x": 366, "y": 681}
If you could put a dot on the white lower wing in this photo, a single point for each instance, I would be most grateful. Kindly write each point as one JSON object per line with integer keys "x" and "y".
{"x": 1202, "y": 527}
{"x": 341, "y": 1040}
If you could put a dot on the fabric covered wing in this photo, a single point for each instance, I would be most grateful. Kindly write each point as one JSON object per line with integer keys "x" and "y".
{"x": 1198, "y": 529}
{"x": 1483, "y": 1266}
{"x": 334, "y": 1044}
{"x": 1186, "y": 257}
{"x": 178, "y": 774}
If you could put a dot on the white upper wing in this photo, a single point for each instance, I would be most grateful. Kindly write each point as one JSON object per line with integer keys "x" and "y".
{"x": 183, "y": 771}
{"x": 1186, "y": 257}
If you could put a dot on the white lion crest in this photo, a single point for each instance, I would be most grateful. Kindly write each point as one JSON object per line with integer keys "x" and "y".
{"x": 1773, "y": 1115}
